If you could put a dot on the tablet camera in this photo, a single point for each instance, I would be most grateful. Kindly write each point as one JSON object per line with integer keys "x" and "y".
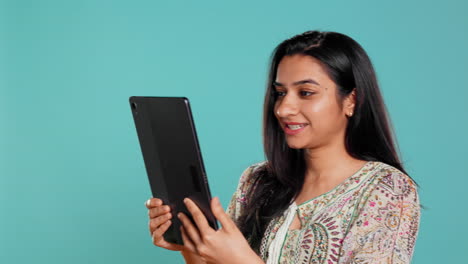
{"x": 134, "y": 108}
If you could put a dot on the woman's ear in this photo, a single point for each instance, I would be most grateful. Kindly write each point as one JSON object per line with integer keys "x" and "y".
{"x": 349, "y": 103}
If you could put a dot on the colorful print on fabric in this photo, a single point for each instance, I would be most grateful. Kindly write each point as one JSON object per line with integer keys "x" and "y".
{"x": 372, "y": 217}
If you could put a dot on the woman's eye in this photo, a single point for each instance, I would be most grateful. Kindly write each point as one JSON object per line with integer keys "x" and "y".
{"x": 302, "y": 93}
{"x": 305, "y": 93}
{"x": 278, "y": 93}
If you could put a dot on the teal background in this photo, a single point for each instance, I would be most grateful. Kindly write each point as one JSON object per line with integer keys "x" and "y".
{"x": 72, "y": 179}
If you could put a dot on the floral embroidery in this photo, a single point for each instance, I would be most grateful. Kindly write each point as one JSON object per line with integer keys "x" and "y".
{"x": 371, "y": 217}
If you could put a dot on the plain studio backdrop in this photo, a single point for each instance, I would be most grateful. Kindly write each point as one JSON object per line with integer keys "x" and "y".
{"x": 72, "y": 178}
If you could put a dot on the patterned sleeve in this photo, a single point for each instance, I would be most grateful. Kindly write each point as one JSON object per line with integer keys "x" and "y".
{"x": 238, "y": 200}
{"x": 387, "y": 225}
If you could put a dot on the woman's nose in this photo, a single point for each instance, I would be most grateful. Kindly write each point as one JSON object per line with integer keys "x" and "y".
{"x": 287, "y": 107}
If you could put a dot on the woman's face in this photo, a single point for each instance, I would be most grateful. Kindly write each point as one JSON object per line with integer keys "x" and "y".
{"x": 306, "y": 95}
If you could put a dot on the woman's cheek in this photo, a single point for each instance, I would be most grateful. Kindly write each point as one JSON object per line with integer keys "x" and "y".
{"x": 316, "y": 108}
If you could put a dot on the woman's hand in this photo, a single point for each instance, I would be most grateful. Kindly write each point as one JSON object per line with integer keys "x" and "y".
{"x": 225, "y": 245}
{"x": 160, "y": 216}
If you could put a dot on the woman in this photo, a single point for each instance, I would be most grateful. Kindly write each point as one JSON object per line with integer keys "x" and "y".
{"x": 332, "y": 188}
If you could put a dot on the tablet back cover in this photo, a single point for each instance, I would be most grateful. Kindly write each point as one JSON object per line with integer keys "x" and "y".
{"x": 172, "y": 156}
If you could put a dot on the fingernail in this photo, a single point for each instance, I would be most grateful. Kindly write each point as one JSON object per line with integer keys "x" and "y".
{"x": 185, "y": 200}
{"x": 179, "y": 215}
{"x": 148, "y": 202}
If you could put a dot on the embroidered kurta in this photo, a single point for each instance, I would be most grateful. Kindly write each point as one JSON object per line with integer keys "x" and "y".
{"x": 371, "y": 217}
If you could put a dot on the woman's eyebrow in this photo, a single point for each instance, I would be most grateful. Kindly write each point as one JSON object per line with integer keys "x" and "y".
{"x": 312, "y": 81}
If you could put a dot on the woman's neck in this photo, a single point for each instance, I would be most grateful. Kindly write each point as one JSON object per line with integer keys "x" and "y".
{"x": 329, "y": 164}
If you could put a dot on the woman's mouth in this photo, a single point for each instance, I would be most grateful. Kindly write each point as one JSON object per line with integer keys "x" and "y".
{"x": 293, "y": 129}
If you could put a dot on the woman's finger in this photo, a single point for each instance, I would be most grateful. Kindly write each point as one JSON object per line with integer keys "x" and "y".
{"x": 222, "y": 217}
{"x": 156, "y": 222}
{"x": 158, "y": 238}
{"x": 187, "y": 241}
{"x": 157, "y": 235}
{"x": 153, "y": 202}
{"x": 198, "y": 217}
{"x": 190, "y": 229}
{"x": 159, "y": 210}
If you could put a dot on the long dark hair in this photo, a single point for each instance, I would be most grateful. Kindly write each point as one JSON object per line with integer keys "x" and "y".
{"x": 369, "y": 135}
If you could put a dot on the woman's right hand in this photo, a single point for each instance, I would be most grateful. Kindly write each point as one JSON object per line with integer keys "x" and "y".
{"x": 159, "y": 222}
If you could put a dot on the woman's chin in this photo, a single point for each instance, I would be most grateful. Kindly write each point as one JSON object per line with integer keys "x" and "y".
{"x": 295, "y": 145}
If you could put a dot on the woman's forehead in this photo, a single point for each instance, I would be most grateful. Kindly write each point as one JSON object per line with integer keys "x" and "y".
{"x": 297, "y": 68}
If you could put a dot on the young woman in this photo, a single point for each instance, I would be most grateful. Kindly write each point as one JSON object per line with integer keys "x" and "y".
{"x": 332, "y": 188}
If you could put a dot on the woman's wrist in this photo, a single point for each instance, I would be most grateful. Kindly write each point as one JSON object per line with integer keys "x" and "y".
{"x": 192, "y": 258}
{"x": 256, "y": 259}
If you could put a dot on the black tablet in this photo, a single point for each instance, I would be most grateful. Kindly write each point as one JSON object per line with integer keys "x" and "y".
{"x": 172, "y": 156}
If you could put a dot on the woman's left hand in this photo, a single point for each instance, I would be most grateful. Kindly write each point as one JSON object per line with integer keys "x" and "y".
{"x": 225, "y": 245}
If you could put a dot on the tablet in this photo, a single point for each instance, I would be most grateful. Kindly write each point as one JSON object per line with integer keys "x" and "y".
{"x": 172, "y": 157}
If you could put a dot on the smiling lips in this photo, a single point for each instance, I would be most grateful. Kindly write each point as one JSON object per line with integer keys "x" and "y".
{"x": 292, "y": 128}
